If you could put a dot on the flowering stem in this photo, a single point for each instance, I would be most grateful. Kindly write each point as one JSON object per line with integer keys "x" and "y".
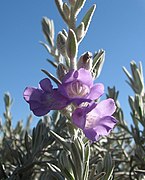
{"x": 73, "y": 64}
{"x": 72, "y": 22}
{"x": 72, "y": 25}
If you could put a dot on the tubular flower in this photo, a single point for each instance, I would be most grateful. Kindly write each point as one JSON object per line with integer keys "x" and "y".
{"x": 95, "y": 119}
{"x": 44, "y": 98}
{"x": 78, "y": 86}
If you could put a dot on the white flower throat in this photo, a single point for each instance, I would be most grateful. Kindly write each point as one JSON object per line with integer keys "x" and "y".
{"x": 77, "y": 89}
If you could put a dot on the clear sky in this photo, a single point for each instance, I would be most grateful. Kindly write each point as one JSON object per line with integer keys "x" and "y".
{"x": 118, "y": 27}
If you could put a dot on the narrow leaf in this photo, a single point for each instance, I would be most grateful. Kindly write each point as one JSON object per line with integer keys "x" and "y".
{"x": 46, "y": 46}
{"x": 78, "y": 6}
{"x": 59, "y": 5}
{"x": 66, "y": 10}
{"x": 88, "y": 16}
{"x": 54, "y": 64}
{"x": 61, "y": 43}
{"x": 72, "y": 48}
{"x": 61, "y": 140}
{"x": 98, "y": 62}
{"x": 51, "y": 76}
{"x": 80, "y": 31}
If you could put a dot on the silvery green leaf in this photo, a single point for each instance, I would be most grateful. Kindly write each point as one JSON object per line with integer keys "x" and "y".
{"x": 136, "y": 80}
{"x": 7, "y": 100}
{"x": 68, "y": 175}
{"x": 64, "y": 160}
{"x": 139, "y": 108}
{"x": 66, "y": 167}
{"x": 76, "y": 157}
{"x": 28, "y": 124}
{"x": 81, "y": 147}
{"x": 88, "y": 17}
{"x": 52, "y": 29}
{"x": 80, "y": 31}
{"x": 99, "y": 166}
{"x": 108, "y": 167}
{"x": 99, "y": 176}
{"x": 131, "y": 103}
{"x": 78, "y": 6}
{"x": 61, "y": 140}
{"x": 66, "y": 10}
{"x": 72, "y": 2}
{"x": 98, "y": 62}
{"x": 51, "y": 76}
{"x": 36, "y": 136}
{"x": 64, "y": 32}
{"x": 54, "y": 64}
{"x": 108, "y": 162}
{"x": 27, "y": 144}
{"x": 72, "y": 48}
{"x": 125, "y": 127}
{"x": 61, "y": 43}
{"x": 141, "y": 71}
{"x": 46, "y": 47}
{"x": 112, "y": 93}
{"x": 59, "y": 4}
{"x": 48, "y": 30}
{"x": 55, "y": 172}
{"x": 137, "y": 102}
{"x": 135, "y": 133}
{"x": 134, "y": 68}
{"x": 137, "y": 77}
{"x": 86, "y": 162}
{"x": 128, "y": 75}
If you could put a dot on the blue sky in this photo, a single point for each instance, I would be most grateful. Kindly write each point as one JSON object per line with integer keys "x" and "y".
{"x": 118, "y": 27}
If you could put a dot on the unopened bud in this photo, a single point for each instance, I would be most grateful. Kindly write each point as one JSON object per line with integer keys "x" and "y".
{"x": 61, "y": 71}
{"x": 85, "y": 61}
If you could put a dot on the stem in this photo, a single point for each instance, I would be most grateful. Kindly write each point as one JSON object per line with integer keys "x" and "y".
{"x": 72, "y": 22}
{"x": 73, "y": 64}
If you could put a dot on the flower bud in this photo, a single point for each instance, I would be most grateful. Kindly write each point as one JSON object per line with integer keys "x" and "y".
{"x": 85, "y": 61}
{"x": 61, "y": 71}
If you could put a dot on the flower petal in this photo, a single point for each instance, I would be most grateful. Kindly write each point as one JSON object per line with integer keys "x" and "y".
{"x": 69, "y": 77}
{"x": 81, "y": 75}
{"x": 37, "y": 100}
{"x": 85, "y": 77}
{"x": 91, "y": 134}
{"x": 38, "y": 108}
{"x": 105, "y": 108}
{"x": 105, "y": 125}
{"x": 96, "y": 91}
{"x": 58, "y": 101}
{"x": 79, "y": 117}
{"x": 46, "y": 85}
{"x": 31, "y": 93}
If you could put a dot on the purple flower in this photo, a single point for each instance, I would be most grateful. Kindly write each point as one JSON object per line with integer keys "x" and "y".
{"x": 95, "y": 119}
{"x": 78, "y": 86}
{"x": 44, "y": 98}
